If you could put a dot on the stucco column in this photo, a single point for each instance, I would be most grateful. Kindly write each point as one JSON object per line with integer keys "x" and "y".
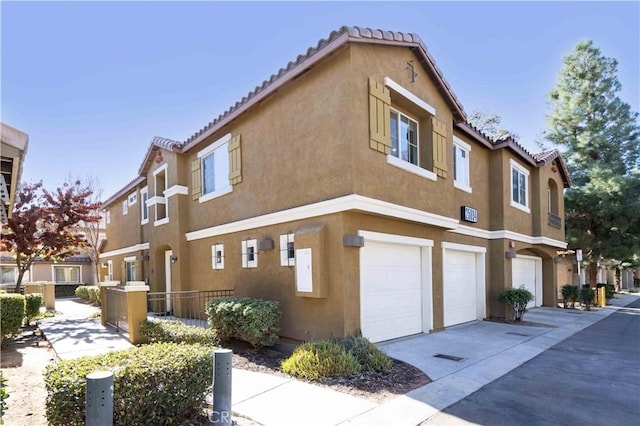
{"x": 50, "y": 296}
{"x": 136, "y": 301}
{"x": 104, "y": 286}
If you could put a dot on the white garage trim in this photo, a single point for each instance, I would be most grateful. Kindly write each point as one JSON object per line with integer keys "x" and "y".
{"x": 480, "y": 255}
{"x": 426, "y": 254}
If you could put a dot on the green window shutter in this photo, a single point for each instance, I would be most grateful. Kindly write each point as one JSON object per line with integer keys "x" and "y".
{"x": 379, "y": 117}
{"x": 439, "y": 147}
{"x": 196, "y": 179}
{"x": 235, "y": 160}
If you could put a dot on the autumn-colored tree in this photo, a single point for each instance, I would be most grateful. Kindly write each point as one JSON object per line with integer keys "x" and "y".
{"x": 44, "y": 224}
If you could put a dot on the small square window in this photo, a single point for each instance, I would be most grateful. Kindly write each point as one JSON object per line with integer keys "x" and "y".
{"x": 250, "y": 254}
{"x": 133, "y": 198}
{"x": 125, "y": 207}
{"x": 217, "y": 256}
{"x": 287, "y": 250}
{"x": 461, "y": 165}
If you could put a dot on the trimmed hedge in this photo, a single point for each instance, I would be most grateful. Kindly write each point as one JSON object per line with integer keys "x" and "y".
{"x": 32, "y": 303}
{"x": 255, "y": 321}
{"x": 156, "y": 384}
{"x": 317, "y": 360}
{"x": 174, "y": 331}
{"x": 368, "y": 355}
{"x": 12, "y": 309}
{"x": 90, "y": 293}
{"x": 569, "y": 295}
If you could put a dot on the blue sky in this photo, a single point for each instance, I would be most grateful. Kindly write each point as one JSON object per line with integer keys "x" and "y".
{"x": 93, "y": 82}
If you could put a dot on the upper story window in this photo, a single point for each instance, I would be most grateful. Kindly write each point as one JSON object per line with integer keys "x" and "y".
{"x": 160, "y": 201}
{"x": 404, "y": 137}
{"x": 287, "y": 250}
{"x": 107, "y": 216}
{"x": 214, "y": 169}
{"x": 144, "y": 208}
{"x": 519, "y": 187}
{"x": 553, "y": 208}
{"x": 461, "y": 165}
{"x": 125, "y": 207}
{"x": 133, "y": 198}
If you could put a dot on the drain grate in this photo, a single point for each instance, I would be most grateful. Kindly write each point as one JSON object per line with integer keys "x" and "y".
{"x": 513, "y": 333}
{"x": 449, "y": 357}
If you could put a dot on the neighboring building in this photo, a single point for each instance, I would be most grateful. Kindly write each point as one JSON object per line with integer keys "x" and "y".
{"x": 74, "y": 270}
{"x": 350, "y": 188}
{"x": 13, "y": 148}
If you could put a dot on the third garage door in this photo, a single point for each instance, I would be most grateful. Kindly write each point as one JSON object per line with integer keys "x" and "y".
{"x": 463, "y": 285}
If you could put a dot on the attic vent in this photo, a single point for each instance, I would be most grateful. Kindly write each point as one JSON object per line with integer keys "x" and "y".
{"x": 513, "y": 333}
{"x": 449, "y": 357}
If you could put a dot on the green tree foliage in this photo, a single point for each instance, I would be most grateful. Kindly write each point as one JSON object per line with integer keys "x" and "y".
{"x": 599, "y": 135}
{"x": 489, "y": 124}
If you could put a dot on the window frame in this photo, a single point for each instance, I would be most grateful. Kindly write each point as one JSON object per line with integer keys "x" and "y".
{"x": 132, "y": 198}
{"x": 216, "y": 263}
{"x": 518, "y": 168}
{"x": 285, "y": 252}
{"x": 460, "y": 145}
{"x": 160, "y": 198}
{"x": 76, "y": 267}
{"x": 7, "y": 267}
{"x": 125, "y": 208}
{"x": 410, "y": 120}
{"x": 130, "y": 260}
{"x": 221, "y": 145}
{"x": 247, "y": 246}
{"x": 144, "y": 208}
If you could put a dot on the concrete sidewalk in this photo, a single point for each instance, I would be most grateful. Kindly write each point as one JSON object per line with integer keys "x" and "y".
{"x": 487, "y": 350}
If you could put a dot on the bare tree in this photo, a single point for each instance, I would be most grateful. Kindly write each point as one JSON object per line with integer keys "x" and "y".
{"x": 94, "y": 232}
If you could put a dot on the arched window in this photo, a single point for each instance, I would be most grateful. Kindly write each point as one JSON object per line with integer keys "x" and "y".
{"x": 552, "y": 193}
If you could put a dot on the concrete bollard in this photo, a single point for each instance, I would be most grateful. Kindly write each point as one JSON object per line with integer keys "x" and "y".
{"x": 222, "y": 368}
{"x": 99, "y": 400}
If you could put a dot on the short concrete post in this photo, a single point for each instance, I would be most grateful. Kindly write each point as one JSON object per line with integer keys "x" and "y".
{"x": 222, "y": 368}
{"x": 99, "y": 400}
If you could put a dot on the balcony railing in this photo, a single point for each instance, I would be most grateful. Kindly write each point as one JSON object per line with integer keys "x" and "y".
{"x": 554, "y": 220}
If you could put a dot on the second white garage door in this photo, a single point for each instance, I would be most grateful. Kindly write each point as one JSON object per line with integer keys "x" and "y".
{"x": 391, "y": 295}
{"x": 463, "y": 282}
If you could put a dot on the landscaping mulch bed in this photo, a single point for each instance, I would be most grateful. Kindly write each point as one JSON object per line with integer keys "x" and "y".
{"x": 376, "y": 387}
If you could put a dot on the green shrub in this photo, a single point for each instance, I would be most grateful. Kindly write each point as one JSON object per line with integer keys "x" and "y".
{"x": 157, "y": 384}
{"x": 177, "y": 332}
{"x": 316, "y": 360}
{"x": 517, "y": 298}
{"x": 82, "y": 292}
{"x": 3, "y": 396}
{"x": 633, "y": 290}
{"x": 12, "y": 313}
{"x": 368, "y": 355}
{"x": 588, "y": 296}
{"x": 94, "y": 294}
{"x": 569, "y": 295}
{"x": 253, "y": 320}
{"x": 32, "y": 303}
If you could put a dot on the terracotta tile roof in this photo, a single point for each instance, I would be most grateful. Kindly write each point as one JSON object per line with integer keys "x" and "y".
{"x": 324, "y": 46}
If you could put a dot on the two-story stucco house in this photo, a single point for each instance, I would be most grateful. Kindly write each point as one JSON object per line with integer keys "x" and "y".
{"x": 350, "y": 188}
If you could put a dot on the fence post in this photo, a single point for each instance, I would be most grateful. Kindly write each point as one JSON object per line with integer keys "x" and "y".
{"x": 136, "y": 306}
{"x": 99, "y": 399}
{"x": 222, "y": 360}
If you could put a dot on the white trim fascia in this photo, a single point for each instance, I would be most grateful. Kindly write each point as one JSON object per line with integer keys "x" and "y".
{"x": 160, "y": 169}
{"x": 215, "y": 145}
{"x": 216, "y": 194}
{"x": 124, "y": 250}
{"x": 461, "y": 143}
{"x": 176, "y": 190}
{"x": 463, "y": 247}
{"x": 505, "y": 234}
{"x": 462, "y": 187}
{"x": 130, "y": 258}
{"x": 411, "y": 168}
{"x": 408, "y": 95}
{"x": 156, "y": 199}
{"x": 394, "y": 239}
{"x": 336, "y": 205}
{"x": 162, "y": 221}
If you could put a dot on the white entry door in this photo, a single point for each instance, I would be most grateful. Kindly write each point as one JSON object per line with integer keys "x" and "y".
{"x": 167, "y": 276}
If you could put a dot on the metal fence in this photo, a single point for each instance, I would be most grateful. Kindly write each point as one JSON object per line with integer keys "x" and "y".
{"x": 117, "y": 309}
{"x": 189, "y": 307}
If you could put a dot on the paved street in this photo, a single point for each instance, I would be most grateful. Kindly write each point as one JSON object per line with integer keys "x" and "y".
{"x": 592, "y": 378}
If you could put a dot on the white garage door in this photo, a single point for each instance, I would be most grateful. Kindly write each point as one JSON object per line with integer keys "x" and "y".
{"x": 527, "y": 271}
{"x": 460, "y": 287}
{"x": 390, "y": 290}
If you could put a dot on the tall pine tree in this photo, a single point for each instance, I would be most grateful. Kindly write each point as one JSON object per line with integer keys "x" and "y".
{"x": 599, "y": 135}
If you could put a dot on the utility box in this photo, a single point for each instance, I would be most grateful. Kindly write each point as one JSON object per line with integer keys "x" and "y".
{"x": 311, "y": 261}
